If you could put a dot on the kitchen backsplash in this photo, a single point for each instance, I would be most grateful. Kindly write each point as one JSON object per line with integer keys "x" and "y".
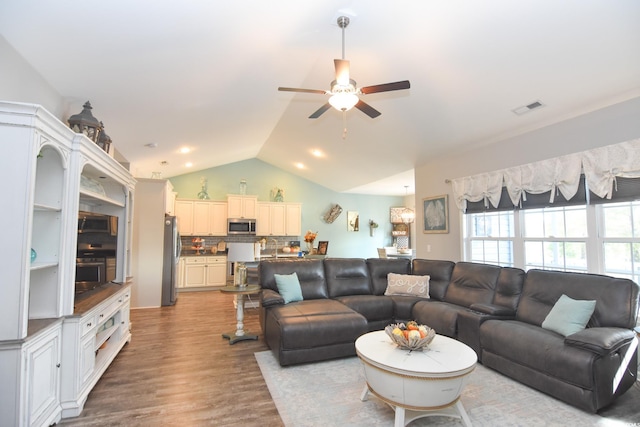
{"x": 273, "y": 242}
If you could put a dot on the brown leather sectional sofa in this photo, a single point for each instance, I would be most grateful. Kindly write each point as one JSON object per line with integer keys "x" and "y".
{"x": 497, "y": 311}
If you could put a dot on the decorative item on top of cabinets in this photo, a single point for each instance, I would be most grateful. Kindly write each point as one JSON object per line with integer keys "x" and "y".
{"x": 333, "y": 213}
{"x": 277, "y": 195}
{"x": 203, "y": 195}
{"x": 85, "y": 123}
{"x": 104, "y": 140}
{"x": 243, "y": 187}
{"x": 353, "y": 221}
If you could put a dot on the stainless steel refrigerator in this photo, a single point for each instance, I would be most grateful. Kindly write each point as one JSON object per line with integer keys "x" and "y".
{"x": 171, "y": 257}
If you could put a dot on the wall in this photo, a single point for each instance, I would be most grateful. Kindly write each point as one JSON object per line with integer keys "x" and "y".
{"x": 316, "y": 201}
{"x": 21, "y": 83}
{"x": 616, "y": 123}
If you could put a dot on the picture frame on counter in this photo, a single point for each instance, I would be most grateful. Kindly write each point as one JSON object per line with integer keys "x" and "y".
{"x": 323, "y": 246}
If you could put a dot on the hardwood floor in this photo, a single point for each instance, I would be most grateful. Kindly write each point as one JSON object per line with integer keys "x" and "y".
{"x": 178, "y": 370}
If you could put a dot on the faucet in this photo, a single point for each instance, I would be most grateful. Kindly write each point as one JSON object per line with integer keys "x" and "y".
{"x": 275, "y": 247}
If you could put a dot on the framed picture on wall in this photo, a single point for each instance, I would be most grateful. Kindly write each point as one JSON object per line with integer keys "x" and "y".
{"x": 322, "y": 247}
{"x": 436, "y": 214}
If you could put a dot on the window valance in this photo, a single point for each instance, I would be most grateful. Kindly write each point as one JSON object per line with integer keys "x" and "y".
{"x": 600, "y": 166}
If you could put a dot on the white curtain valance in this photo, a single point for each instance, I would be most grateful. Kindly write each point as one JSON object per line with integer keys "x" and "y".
{"x": 560, "y": 174}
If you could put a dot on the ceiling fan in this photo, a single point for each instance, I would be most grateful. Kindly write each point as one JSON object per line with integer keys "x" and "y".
{"x": 344, "y": 92}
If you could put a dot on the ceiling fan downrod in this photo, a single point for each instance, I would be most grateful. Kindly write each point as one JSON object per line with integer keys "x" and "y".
{"x": 343, "y": 22}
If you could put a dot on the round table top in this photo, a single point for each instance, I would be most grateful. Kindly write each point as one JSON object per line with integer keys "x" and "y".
{"x": 242, "y": 290}
{"x": 444, "y": 357}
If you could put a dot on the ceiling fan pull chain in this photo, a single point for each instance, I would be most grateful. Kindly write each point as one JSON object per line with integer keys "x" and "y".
{"x": 344, "y": 124}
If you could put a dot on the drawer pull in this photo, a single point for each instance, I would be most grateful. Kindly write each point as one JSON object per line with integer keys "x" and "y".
{"x": 89, "y": 325}
{"x": 102, "y": 315}
{"x": 57, "y": 365}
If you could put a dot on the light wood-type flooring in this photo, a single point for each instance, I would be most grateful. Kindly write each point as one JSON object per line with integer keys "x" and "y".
{"x": 179, "y": 371}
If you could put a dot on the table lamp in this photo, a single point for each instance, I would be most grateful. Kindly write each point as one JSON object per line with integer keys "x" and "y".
{"x": 239, "y": 253}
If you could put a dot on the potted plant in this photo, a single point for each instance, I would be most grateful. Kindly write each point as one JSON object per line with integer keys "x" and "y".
{"x": 372, "y": 227}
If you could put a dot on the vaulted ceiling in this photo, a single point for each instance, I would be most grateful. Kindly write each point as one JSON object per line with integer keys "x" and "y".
{"x": 204, "y": 74}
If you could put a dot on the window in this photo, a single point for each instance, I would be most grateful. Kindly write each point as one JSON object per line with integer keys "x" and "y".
{"x": 559, "y": 238}
{"x": 491, "y": 238}
{"x": 621, "y": 239}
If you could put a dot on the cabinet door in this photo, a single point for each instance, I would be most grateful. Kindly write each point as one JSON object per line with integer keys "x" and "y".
{"x": 201, "y": 218}
{"x": 216, "y": 271}
{"x": 234, "y": 206}
{"x": 218, "y": 219}
{"x": 278, "y": 219}
{"x": 250, "y": 207}
{"x": 242, "y": 206}
{"x": 195, "y": 275}
{"x": 294, "y": 219}
{"x": 263, "y": 219}
{"x": 184, "y": 212}
{"x": 43, "y": 379}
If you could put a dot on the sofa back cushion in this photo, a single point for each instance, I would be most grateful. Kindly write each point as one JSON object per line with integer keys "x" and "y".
{"x": 347, "y": 276}
{"x": 439, "y": 273}
{"x": 379, "y": 268}
{"x": 509, "y": 287}
{"x": 616, "y": 299}
{"x": 310, "y": 274}
{"x": 472, "y": 283}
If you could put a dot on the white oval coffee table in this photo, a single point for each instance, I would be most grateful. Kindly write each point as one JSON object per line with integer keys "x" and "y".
{"x": 417, "y": 383}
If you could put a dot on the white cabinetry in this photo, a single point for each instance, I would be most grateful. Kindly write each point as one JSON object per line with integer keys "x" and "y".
{"x": 278, "y": 219}
{"x": 201, "y": 217}
{"x": 47, "y": 167}
{"x": 205, "y": 271}
{"x": 92, "y": 340}
{"x": 181, "y": 265}
{"x": 241, "y": 206}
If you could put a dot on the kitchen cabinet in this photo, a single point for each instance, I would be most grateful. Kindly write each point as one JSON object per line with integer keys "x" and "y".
{"x": 184, "y": 213}
{"x": 97, "y": 336}
{"x": 53, "y": 173}
{"x": 279, "y": 219}
{"x": 201, "y": 217}
{"x": 242, "y": 206}
{"x": 205, "y": 271}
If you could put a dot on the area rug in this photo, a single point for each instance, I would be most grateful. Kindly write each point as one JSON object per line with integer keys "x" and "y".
{"x": 328, "y": 394}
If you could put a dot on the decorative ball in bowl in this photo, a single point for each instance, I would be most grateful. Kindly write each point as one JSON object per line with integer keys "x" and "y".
{"x": 410, "y": 336}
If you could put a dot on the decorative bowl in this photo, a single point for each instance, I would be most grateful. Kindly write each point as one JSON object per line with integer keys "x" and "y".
{"x": 414, "y": 341}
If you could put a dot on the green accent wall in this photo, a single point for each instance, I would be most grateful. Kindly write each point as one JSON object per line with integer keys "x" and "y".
{"x": 316, "y": 201}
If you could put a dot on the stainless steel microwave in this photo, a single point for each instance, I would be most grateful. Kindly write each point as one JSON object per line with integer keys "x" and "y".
{"x": 237, "y": 226}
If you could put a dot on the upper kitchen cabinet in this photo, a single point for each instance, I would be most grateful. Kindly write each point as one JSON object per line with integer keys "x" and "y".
{"x": 201, "y": 217}
{"x": 242, "y": 206}
{"x": 279, "y": 219}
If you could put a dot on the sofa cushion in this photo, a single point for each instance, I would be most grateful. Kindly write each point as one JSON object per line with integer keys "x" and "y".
{"x": 310, "y": 275}
{"x": 289, "y": 287}
{"x": 347, "y": 276}
{"x": 472, "y": 283}
{"x": 379, "y": 268}
{"x": 439, "y": 315}
{"x": 569, "y": 316}
{"x": 407, "y": 284}
{"x": 439, "y": 273}
{"x": 509, "y": 287}
{"x": 617, "y": 299}
{"x": 372, "y": 307}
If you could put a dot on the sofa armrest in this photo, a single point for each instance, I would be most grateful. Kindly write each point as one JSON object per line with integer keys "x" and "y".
{"x": 271, "y": 297}
{"x": 493, "y": 310}
{"x": 600, "y": 340}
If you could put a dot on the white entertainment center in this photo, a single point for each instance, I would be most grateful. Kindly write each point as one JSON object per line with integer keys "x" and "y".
{"x": 55, "y": 345}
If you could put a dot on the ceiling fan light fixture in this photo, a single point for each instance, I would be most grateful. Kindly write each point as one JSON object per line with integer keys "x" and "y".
{"x": 343, "y": 101}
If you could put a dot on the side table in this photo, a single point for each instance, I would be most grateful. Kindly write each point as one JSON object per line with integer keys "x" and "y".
{"x": 240, "y": 291}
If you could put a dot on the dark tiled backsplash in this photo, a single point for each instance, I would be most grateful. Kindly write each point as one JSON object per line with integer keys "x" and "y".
{"x": 211, "y": 241}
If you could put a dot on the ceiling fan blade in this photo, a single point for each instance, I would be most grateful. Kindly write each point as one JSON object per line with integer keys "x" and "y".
{"x": 320, "y": 111}
{"x": 367, "y": 109}
{"x": 294, "y": 89}
{"x": 342, "y": 71}
{"x": 386, "y": 87}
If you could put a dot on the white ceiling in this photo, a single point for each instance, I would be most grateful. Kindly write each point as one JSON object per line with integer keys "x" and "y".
{"x": 204, "y": 74}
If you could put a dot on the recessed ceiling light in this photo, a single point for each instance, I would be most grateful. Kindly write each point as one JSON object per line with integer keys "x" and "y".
{"x": 151, "y": 145}
{"x": 300, "y": 165}
{"x": 185, "y": 150}
{"x": 317, "y": 153}
{"x": 188, "y": 164}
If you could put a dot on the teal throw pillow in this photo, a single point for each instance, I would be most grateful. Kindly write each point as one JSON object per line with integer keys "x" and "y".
{"x": 569, "y": 316}
{"x": 289, "y": 287}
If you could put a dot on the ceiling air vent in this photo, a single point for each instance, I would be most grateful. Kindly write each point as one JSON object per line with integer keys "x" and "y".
{"x": 526, "y": 108}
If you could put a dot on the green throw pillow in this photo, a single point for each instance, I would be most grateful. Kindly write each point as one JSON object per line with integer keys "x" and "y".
{"x": 289, "y": 287}
{"x": 569, "y": 316}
